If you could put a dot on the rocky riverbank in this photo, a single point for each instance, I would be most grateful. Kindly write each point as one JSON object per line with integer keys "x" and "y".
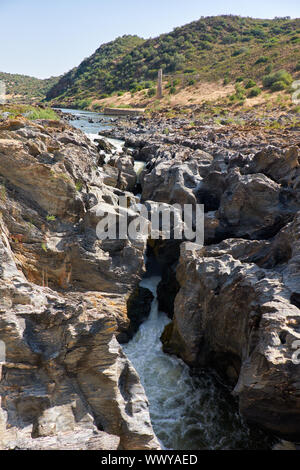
{"x": 237, "y": 307}
{"x": 66, "y": 382}
{"x": 67, "y": 297}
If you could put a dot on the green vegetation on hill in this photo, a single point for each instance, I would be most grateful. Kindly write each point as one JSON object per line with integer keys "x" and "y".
{"x": 10, "y": 111}
{"x": 96, "y": 74}
{"x": 21, "y": 88}
{"x": 212, "y": 48}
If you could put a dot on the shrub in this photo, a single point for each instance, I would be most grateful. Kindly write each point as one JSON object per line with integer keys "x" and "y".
{"x": 297, "y": 68}
{"x": 172, "y": 90}
{"x": 250, "y": 84}
{"x": 262, "y": 60}
{"x": 38, "y": 113}
{"x": 78, "y": 186}
{"x": 239, "y": 79}
{"x": 242, "y": 50}
{"x": 189, "y": 71}
{"x": 255, "y": 91}
{"x": 151, "y": 92}
{"x": 269, "y": 68}
{"x": 239, "y": 91}
{"x": 279, "y": 85}
{"x": 97, "y": 106}
{"x": 82, "y": 104}
{"x": 226, "y": 81}
{"x": 281, "y": 76}
{"x": 191, "y": 82}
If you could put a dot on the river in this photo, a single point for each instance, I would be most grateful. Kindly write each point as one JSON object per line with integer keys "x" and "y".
{"x": 188, "y": 412}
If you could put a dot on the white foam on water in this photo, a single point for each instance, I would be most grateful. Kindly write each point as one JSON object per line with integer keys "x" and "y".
{"x": 117, "y": 144}
{"x": 138, "y": 167}
{"x": 187, "y": 413}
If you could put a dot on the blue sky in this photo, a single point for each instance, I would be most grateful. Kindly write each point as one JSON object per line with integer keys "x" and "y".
{"x": 43, "y": 38}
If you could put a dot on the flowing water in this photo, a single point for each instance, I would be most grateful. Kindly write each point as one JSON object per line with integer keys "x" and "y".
{"x": 84, "y": 118}
{"x": 187, "y": 412}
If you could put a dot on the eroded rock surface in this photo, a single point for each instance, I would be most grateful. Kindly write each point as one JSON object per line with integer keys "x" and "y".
{"x": 65, "y": 293}
{"x": 238, "y": 305}
{"x": 66, "y": 383}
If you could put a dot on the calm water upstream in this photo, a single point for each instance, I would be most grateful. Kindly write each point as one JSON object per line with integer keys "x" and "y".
{"x": 187, "y": 412}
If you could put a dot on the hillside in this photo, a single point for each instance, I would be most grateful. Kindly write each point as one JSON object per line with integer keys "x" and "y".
{"x": 22, "y": 88}
{"x": 208, "y": 50}
{"x": 96, "y": 74}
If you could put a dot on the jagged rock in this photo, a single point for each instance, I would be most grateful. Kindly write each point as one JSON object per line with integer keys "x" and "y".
{"x": 240, "y": 318}
{"x": 86, "y": 439}
{"x": 254, "y": 206}
{"x": 138, "y": 310}
{"x": 238, "y": 305}
{"x": 171, "y": 182}
{"x": 66, "y": 382}
{"x": 124, "y": 175}
{"x": 105, "y": 145}
{"x": 274, "y": 163}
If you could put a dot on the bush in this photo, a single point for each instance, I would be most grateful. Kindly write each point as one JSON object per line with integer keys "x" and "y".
{"x": 281, "y": 76}
{"x": 38, "y": 113}
{"x": 250, "y": 84}
{"x": 255, "y": 91}
{"x": 261, "y": 60}
{"x": 226, "y": 81}
{"x": 278, "y": 86}
{"x": 297, "y": 68}
{"x": 189, "y": 71}
{"x": 151, "y": 92}
{"x": 269, "y": 68}
{"x": 239, "y": 79}
{"x": 242, "y": 50}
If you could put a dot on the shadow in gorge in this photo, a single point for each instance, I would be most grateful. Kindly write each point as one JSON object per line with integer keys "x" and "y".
{"x": 191, "y": 409}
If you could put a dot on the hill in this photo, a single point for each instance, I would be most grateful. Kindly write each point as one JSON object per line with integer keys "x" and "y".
{"x": 96, "y": 74}
{"x": 208, "y": 50}
{"x": 22, "y": 88}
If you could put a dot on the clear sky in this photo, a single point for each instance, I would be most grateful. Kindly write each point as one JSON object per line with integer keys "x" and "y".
{"x": 48, "y": 37}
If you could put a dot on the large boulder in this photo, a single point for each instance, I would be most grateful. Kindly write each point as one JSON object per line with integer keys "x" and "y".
{"x": 275, "y": 163}
{"x": 238, "y": 311}
{"x": 171, "y": 182}
{"x": 255, "y": 206}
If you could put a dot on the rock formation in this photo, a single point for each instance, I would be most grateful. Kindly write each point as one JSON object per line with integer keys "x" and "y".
{"x": 66, "y": 383}
{"x": 238, "y": 305}
{"x": 66, "y": 296}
